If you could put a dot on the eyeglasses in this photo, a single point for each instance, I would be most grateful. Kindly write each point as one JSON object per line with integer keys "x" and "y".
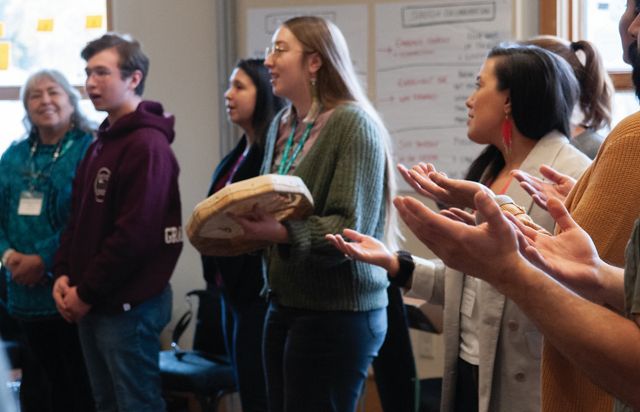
{"x": 277, "y": 50}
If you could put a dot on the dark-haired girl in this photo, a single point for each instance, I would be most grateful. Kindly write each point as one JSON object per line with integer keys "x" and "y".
{"x": 251, "y": 105}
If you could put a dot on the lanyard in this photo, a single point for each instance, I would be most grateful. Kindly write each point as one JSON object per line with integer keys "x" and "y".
{"x": 35, "y": 175}
{"x": 284, "y": 165}
{"x": 236, "y": 166}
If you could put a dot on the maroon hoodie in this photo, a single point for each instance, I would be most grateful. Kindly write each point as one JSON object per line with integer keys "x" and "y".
{"x": 124, "y": 235}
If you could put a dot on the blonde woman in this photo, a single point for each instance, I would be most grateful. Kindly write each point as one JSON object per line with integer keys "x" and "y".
{"x": 326, "y": 319}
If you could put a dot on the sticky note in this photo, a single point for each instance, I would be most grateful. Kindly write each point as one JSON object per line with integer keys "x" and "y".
{"x": 5, "y": 49}
{"x": 94, "y": 22}
{"x": 1, "y": 29}
{"x": 45, "y": 25}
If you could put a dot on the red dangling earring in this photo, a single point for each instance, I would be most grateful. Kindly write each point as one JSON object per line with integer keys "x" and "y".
{"x": 506, "y": 132}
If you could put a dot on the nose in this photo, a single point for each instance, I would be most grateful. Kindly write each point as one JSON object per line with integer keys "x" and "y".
{"x": 90, "y": 82}
{"x": 45, "y": 98}
{"x": 228, "y": 94}
{"x": 268, "y": 60}
{"x": 469, "y": 101}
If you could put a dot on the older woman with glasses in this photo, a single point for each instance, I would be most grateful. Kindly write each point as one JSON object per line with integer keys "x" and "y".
{"x": 35, "y": 185}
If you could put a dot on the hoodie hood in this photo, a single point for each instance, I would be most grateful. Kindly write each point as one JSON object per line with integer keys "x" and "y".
{"x": 148, "y": 114}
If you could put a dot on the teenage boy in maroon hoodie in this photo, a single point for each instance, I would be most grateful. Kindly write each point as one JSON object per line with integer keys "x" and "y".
{"x": 124, "y": 236}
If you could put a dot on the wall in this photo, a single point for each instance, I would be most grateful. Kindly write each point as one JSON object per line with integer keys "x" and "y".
{"x": 180, "y": 39}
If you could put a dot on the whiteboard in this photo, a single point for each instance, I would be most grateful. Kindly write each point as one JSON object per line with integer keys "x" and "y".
{"x": 263, "y": 22}
{"x": 427, "y": 57}
{"x": 418, "y": 61}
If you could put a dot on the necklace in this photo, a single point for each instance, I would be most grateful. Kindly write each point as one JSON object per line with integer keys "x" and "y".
{"x": 35, "y": 174}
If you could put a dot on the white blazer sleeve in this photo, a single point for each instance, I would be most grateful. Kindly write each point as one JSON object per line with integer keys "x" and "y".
{"x": 427, "y": 280}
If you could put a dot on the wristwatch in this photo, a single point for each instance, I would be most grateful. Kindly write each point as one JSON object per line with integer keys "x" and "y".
{"x": 405, "y": 271}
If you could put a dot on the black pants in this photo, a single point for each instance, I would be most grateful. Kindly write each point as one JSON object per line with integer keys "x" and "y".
{"x": 54, "y": 377}
{"x": 466, "y": 387}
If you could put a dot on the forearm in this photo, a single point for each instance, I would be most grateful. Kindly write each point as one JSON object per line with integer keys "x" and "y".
{"x": 612, "y": 292}
{"x": 603, "y": 344}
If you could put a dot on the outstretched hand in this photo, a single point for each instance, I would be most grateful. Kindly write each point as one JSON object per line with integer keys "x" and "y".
{"x": 570, "y": 256}
{"x": 422, "y": 169}
{"x": 437, "y": 186}
{"x": 556, "y": 185}
{"x": 488, "y": 251}
{"x": 366, "y": 249}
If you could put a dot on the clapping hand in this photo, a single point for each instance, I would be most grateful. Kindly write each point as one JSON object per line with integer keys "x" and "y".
{"x": 488, "y": 251}
{"x": 437, "y": 186}
{"x": 556, "y": 185}
{"x": 422, "y": 169}
{"x": 570, "y": 256}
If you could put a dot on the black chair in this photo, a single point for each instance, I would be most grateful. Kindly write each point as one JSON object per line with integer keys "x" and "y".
{"x": 203, "y": 374}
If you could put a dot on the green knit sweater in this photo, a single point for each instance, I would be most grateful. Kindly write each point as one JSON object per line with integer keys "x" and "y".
{"x": 345, "y": 173}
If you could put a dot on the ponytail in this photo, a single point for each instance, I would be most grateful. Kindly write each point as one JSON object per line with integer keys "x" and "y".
{"x": 596, "y": 89}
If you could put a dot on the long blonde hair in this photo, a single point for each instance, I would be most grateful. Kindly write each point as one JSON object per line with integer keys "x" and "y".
{"x": 338, "y": 83}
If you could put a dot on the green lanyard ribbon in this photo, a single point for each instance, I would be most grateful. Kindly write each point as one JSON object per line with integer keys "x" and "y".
{"x": 284, "y": 164}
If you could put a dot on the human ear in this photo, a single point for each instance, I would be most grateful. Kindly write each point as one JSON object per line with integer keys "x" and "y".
{"x": 314, "y": 62}
{"x": 135, "y": 79}
{"x": 507, "y": 105}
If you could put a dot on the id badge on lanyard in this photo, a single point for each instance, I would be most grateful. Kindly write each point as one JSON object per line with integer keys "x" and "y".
{"x": 30, "y": 203}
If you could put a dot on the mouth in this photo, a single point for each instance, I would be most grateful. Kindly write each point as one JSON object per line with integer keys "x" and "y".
{"x": 46, "y": 112}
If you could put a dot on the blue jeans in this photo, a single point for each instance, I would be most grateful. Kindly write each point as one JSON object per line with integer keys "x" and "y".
{"x": 121, "y": 353}
{"x": 318, "y": 360}
{"x": 243, "y": 326}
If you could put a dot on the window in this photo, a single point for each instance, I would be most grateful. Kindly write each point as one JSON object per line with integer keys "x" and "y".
{"x": 37, "y": 34}
{"x": 596, "y": 21}
{"x": 599, "y": 24}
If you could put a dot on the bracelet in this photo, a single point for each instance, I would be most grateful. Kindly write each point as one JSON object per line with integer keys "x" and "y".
{"x": 5, "y": 256}
{"x": 405, "y": 271}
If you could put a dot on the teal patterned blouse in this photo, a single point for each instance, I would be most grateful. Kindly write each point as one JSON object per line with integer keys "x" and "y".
{"x": 27, "y": 166}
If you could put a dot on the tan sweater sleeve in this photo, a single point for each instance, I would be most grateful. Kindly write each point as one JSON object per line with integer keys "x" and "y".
{"x": 606, "y": 200}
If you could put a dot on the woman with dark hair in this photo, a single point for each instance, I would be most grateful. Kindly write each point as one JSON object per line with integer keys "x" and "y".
{"x": 36, "y": 175}
{"x": 250, "y": 105}
{"x": 596, "y": 90}
{"x": 520, "y": 109}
